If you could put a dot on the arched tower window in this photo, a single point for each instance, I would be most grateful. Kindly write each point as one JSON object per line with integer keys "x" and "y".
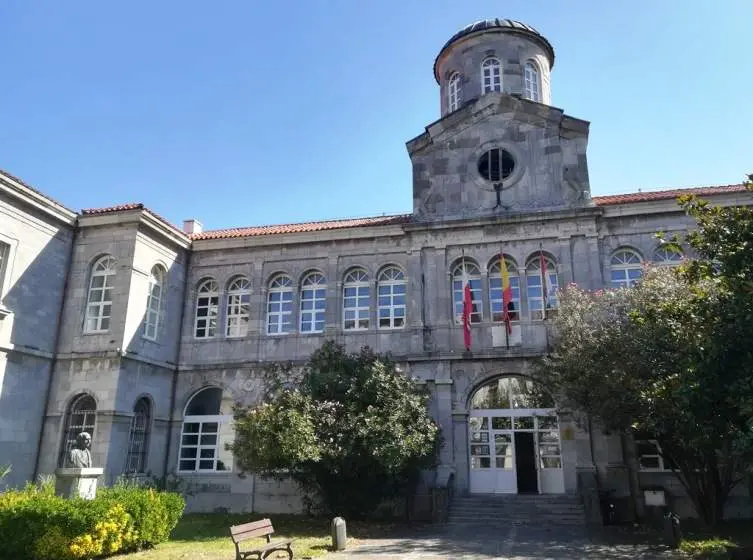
{"x": 204, "y": 435}
{"x": 313, "y": 303}
{"x": 280, "y": 305}
{"x": 391, "y": 305}
{"x": 81, "y": 417}
{"x": 238, "y": 305}
{"x": 207, "y": 309}
{"x": 668, "y": 255}
{"x": 138, "y": 438}
{"x": 532, "y": 82}
{"x": 453, "y": 92}
{"x": 467, "y": 272}
{"x": 626, "y": 267}
{"x": 491, "y": 75}
{"x": 154, "y": 302}
{"x": 99, "y": 300}
{"x": 356, "y": 300}
{"x": 541, "y": 289}
{"x": 495, "y": 289}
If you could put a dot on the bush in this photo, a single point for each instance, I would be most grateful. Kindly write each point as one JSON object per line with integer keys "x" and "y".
{"x": 709, "y": 548}
{"x": 35, "y": 524}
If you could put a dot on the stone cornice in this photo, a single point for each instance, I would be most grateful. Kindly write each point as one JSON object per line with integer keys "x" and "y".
{"x": 18, "y": 191}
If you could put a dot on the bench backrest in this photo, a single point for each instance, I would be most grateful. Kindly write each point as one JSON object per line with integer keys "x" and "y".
{"x": 247, "y": 531}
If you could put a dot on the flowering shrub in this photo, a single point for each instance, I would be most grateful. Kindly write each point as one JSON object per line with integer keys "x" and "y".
{"x": 35, "y": 524}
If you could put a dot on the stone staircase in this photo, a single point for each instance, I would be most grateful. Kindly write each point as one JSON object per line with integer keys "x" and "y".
{"x": 504, "y": 510}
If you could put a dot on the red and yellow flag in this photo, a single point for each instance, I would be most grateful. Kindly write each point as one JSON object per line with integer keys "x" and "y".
{"x": 506, "y": 293}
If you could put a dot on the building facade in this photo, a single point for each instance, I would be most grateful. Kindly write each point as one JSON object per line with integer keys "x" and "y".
{"x": 115, "y": 322}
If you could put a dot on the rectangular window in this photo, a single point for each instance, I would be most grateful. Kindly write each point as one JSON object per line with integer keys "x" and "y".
{"x": 495, "y": 298}
{"x": 356, "y": 307}
{"x": 151, "y": 321}
{"x": 280, "y": 312}
{"x": 202, "y": 445}
{"x": 535, "y": 290}
{"x": 458, "y": 292}
{"x": 649, "y": 456}
{"x": 4, "y": 257}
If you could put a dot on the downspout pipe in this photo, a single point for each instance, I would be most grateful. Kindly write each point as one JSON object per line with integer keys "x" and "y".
{"x": 178, "y": 341}
{"x": 54, "y": 361}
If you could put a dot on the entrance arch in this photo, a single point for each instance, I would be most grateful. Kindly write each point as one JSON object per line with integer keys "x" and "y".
{"x": 514, "y": 439}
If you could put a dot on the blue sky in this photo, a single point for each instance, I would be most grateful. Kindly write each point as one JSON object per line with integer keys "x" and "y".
{"x": 255, "y": 112}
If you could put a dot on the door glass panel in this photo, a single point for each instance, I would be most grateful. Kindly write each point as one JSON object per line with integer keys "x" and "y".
{"x": 524, "y": 423}
{"x": 501, "y": 423}
{"x": 502, "y": 438}
{"x": 547, "y": 422}
{"x": 480, "y": 437}
{"x": 549, "y": 437}
{"x": 504, "y": 459}
{"x": 551, "y": 463}
{"x": 477, "y": 423}
{"x": 549, "y": 449}
{"x": 481, "y": 462}
{"x": 480, "y": 450}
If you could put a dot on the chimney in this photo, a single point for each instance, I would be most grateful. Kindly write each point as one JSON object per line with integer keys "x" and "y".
{"x": 192, "y": 226}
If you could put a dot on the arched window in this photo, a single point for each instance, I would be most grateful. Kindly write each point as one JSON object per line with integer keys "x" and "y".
{"x": 207, "y": 309}
{"x": 668, "y": 254}
{"x": 626, "y": 268}
{"x": 154, "y": 302}
{"x": 491, "y": 75}
{"x": 356, "y": 300}
{"x": 99, "y": 300}
{"x": 453, "y": 93}
{"x": 391, "y": 304}
{"x": 313, "y": 303}
{"x": 495, "y": 290}
{"x": 280, "y": 305}
{"x": 541, "y": 291}
{"x": 204, "y": 435}
{"x": 138, "y": 438}
{"x": 81, "y": 417}
{"x": 532, "y": 82}
{"x": 466, "y": 272}
{"x": 238, "y": 304}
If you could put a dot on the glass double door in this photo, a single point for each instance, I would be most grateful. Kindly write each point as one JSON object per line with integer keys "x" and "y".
{"x": 515, "y": 451}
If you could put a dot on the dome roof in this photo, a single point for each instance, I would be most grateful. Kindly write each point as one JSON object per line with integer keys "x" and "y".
{"x": 502, "y": 25}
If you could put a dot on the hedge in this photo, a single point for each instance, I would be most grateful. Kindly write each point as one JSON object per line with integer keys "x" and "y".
{"x": 35, "y": 524}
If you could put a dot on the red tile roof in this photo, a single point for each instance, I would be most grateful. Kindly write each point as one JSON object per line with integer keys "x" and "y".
{"x": 303, "y": 227}
{"x": 131, "y": 206}
{"x": 612, "y": 199}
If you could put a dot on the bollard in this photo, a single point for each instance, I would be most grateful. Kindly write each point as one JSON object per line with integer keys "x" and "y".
{"x": 338, "y": 533}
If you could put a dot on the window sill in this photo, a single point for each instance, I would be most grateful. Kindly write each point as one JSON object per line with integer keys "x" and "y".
{"x": 4, "y": 312}
{"x": 91, "y": 333}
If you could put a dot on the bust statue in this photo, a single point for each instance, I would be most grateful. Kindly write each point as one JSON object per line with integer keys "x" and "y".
{"x": 79, "y": 457}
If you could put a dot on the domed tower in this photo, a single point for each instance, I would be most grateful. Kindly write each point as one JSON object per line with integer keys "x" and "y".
{"x": 500, "y": 147}
{"x": 494, "y": 55}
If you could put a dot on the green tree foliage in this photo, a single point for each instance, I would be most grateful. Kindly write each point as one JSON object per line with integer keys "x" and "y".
{"x": 672, "y": 357}
{"x": 351, "y": 430}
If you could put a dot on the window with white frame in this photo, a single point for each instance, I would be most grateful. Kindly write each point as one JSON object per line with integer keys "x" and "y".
{"x": 391, "y": 289}
{"x": 154, "y": 302}
{"x": 453, "y": 93}
{"x": 626, "y": 268}
{"x": 467, "y": 272}
{"x": 207, "y": 309}
{"x": 205, "y": 433}
{"x": 491, "y": 75}
{"x": 81, "y": 417}
{"x": 668, "y": 254}
{"x": 540, "y": 307}
{"x": 313, "y": 303}
{"x": 356, "y": 300}
{"x": 238, "y": 306}
{"x": 99, "y": 300}
{"x": 280, "y": 305}
{"x": 650, "y": 456}
{"x": 4, "y": 258}
{"x": 532, "y": 82}
{"x": 138, "y": 437}
{"x": 495, "y": 290}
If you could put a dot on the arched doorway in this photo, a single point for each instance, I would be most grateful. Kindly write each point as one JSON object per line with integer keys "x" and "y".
{"x": 514, "y": 439}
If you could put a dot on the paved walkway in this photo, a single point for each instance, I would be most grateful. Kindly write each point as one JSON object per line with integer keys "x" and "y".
{"x": 514, "y": 543}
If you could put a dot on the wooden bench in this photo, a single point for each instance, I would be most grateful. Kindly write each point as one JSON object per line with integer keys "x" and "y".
{"x": 263, "y": 528}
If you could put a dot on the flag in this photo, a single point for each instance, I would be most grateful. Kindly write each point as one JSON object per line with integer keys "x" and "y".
{"x": 506, "y": 293}
{"x": 467, "y": 310}
{"x": 542, "y": 264}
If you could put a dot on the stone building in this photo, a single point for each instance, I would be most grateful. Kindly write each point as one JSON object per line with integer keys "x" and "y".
{"x": 116, "y": 322}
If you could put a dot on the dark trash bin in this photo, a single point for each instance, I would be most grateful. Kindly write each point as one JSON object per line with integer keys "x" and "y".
{"x": 672, "y": 531}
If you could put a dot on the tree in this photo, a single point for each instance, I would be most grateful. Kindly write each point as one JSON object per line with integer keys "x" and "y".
{"x": 351, "y": 430}
{"x": 671, "y": 357}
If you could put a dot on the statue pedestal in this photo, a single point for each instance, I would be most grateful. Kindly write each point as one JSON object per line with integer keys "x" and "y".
{"x": 77, "y": 483}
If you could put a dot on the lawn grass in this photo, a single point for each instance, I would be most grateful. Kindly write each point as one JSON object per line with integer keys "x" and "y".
{"x": 736, "y": 535}
{"x": 207, "y": 536}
